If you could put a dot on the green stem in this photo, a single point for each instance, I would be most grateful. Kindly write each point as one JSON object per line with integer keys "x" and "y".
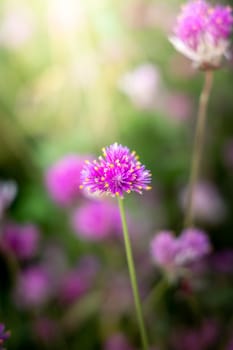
{"x": 132, "y": 274}
{"x": 198, "y": 146}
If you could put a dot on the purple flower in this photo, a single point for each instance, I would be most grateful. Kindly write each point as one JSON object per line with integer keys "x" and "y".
{"x": 118, "y": 171}
{"x": 202, "y": 33}
{"x": 164, "y": 248}
{"x": 4, "y": 335}
{"x": 96, "y": 220}
{"x": 193, "y": 244}
{"x": 174, "y": 253}
{"x": 33, "y": 288}
{"x": 63, "y": 180}
{"x": 117, "y": 342}
{"x": 22, "y": 240}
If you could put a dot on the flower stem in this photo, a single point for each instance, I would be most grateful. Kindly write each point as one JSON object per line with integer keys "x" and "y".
{"x": 198, "y": 145}
{"x": 132, "y": 274}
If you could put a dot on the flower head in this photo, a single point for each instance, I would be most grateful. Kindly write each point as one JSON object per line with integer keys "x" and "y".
{"x": 202, "y": 33}
{"x": 3, "y": 335}
{"x": 174, "y": 254}
{"x": 62, "y": 180}
{"x": 118, "y": 171}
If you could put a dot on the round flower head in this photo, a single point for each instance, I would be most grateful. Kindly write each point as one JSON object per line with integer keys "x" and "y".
{"x": 118, "y": 171}
{"x": 202, "y": 33}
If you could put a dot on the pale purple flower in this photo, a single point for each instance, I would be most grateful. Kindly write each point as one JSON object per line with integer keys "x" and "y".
{"x": 164, "y": 248}
{"x": 208, "y": 205}
{"x": 17, "y": 26}
{"x": 8, "y": 191}
{"x": 62, "y": 180}
{"x": 175, "y": 253}
{"x": 202, "y": 33}
{"x": 193, "y": 244}
{"x": 21, "y": 240}
{"x": 96, "y": 220}
{"x": 4, "y": 335}
{"x": 117, "y": 341}
{"x": 142, "y": 85}
{"x": 33, "y": 288}
{"x": 118, "y": 171}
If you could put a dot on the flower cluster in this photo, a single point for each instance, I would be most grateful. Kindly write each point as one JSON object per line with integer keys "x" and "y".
{"x": 202, "y": 33}
{"x": 3, "y": 335}
{"x": 118, "y": 171}
{"x": 172, "y": 253}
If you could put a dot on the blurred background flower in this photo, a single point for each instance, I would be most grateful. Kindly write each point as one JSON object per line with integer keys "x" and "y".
{"x": 77, "y": 75}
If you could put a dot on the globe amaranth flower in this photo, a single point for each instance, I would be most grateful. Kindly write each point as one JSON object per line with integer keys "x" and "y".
{"x": 116, "y": 172}
{"x": 174, "y": 253}
{"x": 202, "y": 33}
{"x": 4, "y": 335}
{"x": 62, "y": 180}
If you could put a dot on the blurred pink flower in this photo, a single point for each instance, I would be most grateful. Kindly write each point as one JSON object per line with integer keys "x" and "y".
{"x": 174, "y": 254}
{"x": 33, "y": 288}
{"x": 208, "y": 206}
{"x": 21, "y": 240}
{"x": 96, "y": 220}
{"x": 17, "y": 26}
{"x": 142, "y": 85}
{"x": 62, "y": 179}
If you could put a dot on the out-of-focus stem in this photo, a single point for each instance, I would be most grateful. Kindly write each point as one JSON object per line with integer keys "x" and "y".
{"x": 133, "y": 277}
{"x": 198, "y": 146}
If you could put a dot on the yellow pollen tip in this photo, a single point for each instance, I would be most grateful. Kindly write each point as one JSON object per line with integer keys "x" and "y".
{"x": 87, "y": 161}
{"x": 102, "y": 178}
{"x": 139, "y": 187}
{"x": 96, "y": 168}
{"x": 106, "y": 185}
{"x": 81, "y": 187}
{"x": 111, "y": 165}
{"x": 148, "y": 188}
{"x": 128, "y": 191}
{"x": 117, "y": 194}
